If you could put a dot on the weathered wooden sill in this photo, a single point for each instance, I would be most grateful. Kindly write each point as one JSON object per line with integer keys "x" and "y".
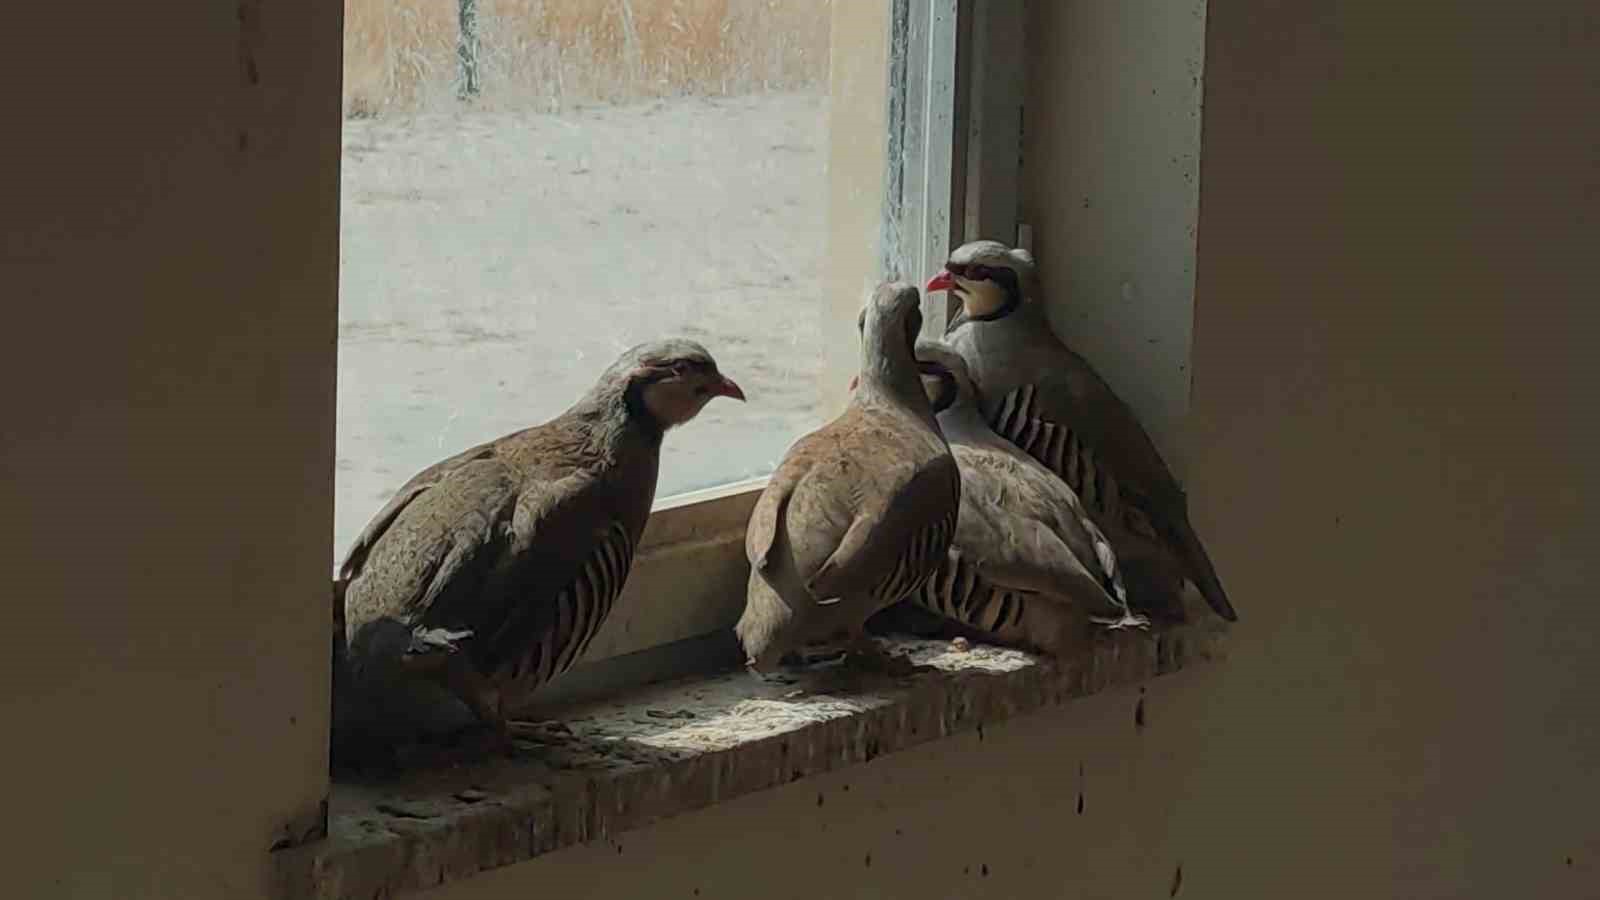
{"x": 681, "y": 746}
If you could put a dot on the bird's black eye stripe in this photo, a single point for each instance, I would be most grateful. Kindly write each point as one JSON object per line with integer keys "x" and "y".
{"x": 694, "y": 367}
{"x": 679, "y": 368}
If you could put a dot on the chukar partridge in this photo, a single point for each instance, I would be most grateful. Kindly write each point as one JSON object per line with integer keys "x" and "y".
{"x": 1028, "y": 566}
{"x": 1050, "y": 402}
{"x": 487, "y": 574}
{"x": 860, "y": 512}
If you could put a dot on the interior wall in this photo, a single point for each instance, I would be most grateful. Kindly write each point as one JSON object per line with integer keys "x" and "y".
{"x": 1391, "y": 456}
{"x": 168, "y": 257}
{"x": 1112, "y": 134}
{"x": 1394, "y": 458}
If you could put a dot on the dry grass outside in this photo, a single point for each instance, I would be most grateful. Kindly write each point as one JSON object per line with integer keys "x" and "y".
{"x": 401, "y": 55}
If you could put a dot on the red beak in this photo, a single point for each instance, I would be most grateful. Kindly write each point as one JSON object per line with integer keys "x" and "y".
{"x": 940, "y": 282}
{"x": 854, "y": 380}
{"x": 727, "y": 388}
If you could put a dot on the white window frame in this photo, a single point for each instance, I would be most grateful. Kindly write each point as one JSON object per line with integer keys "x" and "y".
{"x": 954, "y": 112}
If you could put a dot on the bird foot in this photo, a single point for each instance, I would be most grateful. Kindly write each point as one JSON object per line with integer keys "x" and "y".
{"x": 821, "y": 656}
{"x": 535, "y": 732}
{"x": 1118, "y": 623}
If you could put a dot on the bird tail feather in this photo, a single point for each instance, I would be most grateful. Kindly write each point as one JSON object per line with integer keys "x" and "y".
{"x": 1202, "y": 572}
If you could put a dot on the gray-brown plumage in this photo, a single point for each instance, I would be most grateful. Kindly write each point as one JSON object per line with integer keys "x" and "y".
{"x": 1050, "y": 402}
{"x": 860, "y": 512}
{"x": 487, "y": 574}
{"x": 1027, "y": 566}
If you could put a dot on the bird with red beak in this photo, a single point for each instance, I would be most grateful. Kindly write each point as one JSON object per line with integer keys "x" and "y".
{"x": 1051, "y": 403}
{"x": 859, "y": 512}
{"x": 990, "y": 279}
{"x": 487, "y": 574}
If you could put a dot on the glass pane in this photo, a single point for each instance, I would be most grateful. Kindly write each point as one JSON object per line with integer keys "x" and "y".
{"x": 532, "y": 186}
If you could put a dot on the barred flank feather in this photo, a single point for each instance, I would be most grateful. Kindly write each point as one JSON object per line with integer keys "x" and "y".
{"x": 581, "y": 608}
{"x": 1060, "y": 450}
{"x": 957, "y": 592}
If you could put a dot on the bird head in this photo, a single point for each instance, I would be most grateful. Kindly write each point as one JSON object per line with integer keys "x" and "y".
{"x": 945, "y": 378}
{"x": 672, "y": 380}
{"x": 988, "y": 278}
{"x": 889, "y": 325}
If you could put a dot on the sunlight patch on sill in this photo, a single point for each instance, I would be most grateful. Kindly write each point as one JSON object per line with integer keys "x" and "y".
{"x": 653, "y": 752}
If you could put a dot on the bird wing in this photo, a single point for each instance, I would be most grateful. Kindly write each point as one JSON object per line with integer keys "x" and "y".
{"x": 501, "y": 556}
{"x": 1024, "y": 530}
{"x": 435, "y": 548}
{"x": 772, "y": 506}
{"x": 545, "y": 609}
{"x": 411, "y": 490}
{"x": 1069, "y": 419}
{"x": 897, "y": 536}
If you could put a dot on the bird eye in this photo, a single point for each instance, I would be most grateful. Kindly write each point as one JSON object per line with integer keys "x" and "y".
{"x": 978, "y": 273}
{"x": 681, "y": 369}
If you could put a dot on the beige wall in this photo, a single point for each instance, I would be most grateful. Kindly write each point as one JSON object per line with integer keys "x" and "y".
{"x": 1113, "y": 131}
{"x": 1391, "y": 452}
{"x": 1395, "y": 447}
{"x": 169, "y": 268}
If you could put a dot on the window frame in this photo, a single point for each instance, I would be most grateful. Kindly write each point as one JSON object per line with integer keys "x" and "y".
{"x": 687, "y": 583}
{"x": 951, "y": 168}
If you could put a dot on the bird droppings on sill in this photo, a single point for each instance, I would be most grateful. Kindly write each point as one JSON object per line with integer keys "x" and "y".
{"x": 672, "y": 748}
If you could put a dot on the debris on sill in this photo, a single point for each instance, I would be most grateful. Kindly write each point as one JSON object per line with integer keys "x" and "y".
{"x": 675, "y": 747}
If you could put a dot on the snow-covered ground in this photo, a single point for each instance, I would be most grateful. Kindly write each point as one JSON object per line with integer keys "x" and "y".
{"x": 495, "y": 262}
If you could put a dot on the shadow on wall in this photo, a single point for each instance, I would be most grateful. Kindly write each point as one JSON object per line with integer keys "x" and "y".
{"x": 545, "y": 54}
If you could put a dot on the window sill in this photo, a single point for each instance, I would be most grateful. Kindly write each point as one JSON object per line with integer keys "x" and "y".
{"x": 671, "y": 748}
{"x": 689, "y": 575}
